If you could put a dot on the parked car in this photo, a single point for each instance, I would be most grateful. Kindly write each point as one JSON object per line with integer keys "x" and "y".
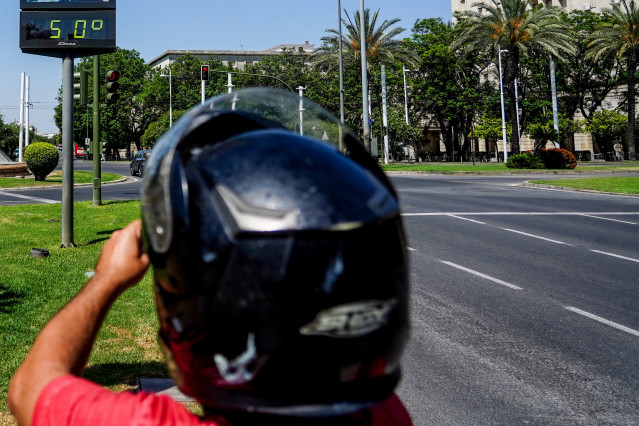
{"x": 137, "y": 164}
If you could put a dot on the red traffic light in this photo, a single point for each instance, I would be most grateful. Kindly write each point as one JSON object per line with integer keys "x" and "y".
{"x": 113, "y": 75}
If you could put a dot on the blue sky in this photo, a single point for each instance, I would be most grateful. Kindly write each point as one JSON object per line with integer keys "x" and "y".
{"x": 154, "y": 26}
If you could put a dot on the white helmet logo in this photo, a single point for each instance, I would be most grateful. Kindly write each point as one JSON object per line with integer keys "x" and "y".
{"x": 350, "y": 320}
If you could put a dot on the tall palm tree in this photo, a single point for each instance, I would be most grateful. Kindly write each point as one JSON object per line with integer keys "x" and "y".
{"x": 381, "y": 45}
{"x": 620, "y": 36}
{"x": 515, "y": 26}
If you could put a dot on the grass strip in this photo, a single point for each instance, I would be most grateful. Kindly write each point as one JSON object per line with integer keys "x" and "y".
{"x": 32, "y": 290}
{"x": 55, "y": 178}
{"x": 621, "y": 185}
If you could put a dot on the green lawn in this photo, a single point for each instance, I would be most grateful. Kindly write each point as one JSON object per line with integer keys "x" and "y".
{"x": 499, "y": 168}
{"x": 623, "y": 185}
{"x": 55, "y": 178}
{"x": 32, "y": 290}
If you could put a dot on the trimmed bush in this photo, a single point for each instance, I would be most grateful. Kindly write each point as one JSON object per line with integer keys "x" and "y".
{"x": 41, "y": 158}
{"x": 556, "y": 158}
{"x": 524, "y": 160}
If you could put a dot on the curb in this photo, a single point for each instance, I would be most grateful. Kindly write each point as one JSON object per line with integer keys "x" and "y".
{"x": 124, "y": 179}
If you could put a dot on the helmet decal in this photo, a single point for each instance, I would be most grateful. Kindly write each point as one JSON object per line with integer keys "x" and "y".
{"x": 236, "y": 372}
{"x": 350, "y": 320}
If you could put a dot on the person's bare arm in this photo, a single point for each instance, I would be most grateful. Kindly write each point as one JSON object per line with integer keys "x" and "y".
{"x": 65, "y": 343}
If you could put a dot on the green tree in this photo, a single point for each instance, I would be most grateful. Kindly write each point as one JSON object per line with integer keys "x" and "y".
{"x": 122, "y": 122}
{"x": 447, "y": 85}
{"x": 513, "y": 26}
{"x": 608, "y": 128}
{"x": 620, "y": 37}
{"x": 156, "y": 129}
{"x": 382, "y": 48}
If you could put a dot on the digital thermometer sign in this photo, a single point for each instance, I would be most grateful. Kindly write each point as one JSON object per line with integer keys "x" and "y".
{"x": 67, "y": 4}
{"x": 57, "y": 32}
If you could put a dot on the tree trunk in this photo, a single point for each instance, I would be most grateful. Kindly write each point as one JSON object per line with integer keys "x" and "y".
{"x": 512, "y": 61}
{"x": 632, "y": 119}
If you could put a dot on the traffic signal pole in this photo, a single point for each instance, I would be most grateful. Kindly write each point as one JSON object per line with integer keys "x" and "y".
{"x": 97, "y": 146}
{"x": 67, "y": 152}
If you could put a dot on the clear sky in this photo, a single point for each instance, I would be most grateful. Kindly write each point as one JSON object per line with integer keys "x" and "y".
{"x": 154, "y": 26}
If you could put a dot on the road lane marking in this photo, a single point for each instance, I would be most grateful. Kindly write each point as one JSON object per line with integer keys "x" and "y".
{"x": 535, "y": 236}
{"x": 607, "y": 218}
{"x": 411, "y": 249}
{"x": 26, "y": 197}
{"x": 615, "y": 255}
{"x": 522, "y": 214}
{"x": 479, "y": 274}
{"x": 465, "y": 218}
{"x": 603, "y": 321}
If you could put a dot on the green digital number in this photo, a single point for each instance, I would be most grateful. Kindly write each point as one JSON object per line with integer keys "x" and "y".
{"x": 97, "y": 24}
{"x": 55, "y": 29}
{"x": 84, "y": 28}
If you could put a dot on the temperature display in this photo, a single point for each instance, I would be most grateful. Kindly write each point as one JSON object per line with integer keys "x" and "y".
{"x": 67, "y": 30}
{"x": 67, "y": 4}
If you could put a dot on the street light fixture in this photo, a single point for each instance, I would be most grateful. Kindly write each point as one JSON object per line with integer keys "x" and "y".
{"x": 503, "y": 108}
{"x": 170, "y": 97}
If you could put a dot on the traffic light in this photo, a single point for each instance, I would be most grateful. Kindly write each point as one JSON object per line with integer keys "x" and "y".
{"x": 112, "y": 86}
{"x": 205, "y": 72}
{"x": 81, "y": 87}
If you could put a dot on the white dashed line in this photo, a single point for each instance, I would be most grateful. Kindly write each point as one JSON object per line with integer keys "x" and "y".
{"x": 603, "y": 321}
{"x": 465, "y": 218}
{"x": 607, "y": 218}
{"x": 479, "y": 274}
{"x": 615, "y": 255}
{"x": 26, "y": 197}
{"x": 535, "y": 236}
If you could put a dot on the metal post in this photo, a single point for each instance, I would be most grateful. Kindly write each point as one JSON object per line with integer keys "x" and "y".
{"x": 170, "y": 99}
{"x": 517, "y": 109}
{"x": 405, "y": 95}
{"x": 365, "y": 114}
{"x": 503, "y": 107}
{"x": 384, "y": 114}
{"x": 553, "y": 88}
{"x": 26, "y": 112}
{"x": 67, "y": 152}
{"x": 203, "y": 91}
{"x": 21, "y": 124}
{"x": 230, "y": 84}
{"x": 341, "y": 65}
{"x": 301, "y": 92}
{"x": 97, "y": 145}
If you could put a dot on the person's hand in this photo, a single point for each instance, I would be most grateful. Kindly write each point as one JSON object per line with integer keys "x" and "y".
{"x": 123, "y": 261}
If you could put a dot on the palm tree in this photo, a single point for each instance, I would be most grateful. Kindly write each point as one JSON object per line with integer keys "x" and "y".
{"x": 515, "y": 26}
{"x": 381, "y": 45}
{"x": 620, "y": 36}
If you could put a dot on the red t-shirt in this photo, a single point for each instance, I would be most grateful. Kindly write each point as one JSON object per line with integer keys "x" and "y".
{"x": 70, "y": 400}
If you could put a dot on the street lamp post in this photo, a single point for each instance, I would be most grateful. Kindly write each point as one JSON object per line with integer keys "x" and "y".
{"x": 366, "y": 123}
{"x": 170, "y": 97}
{"x": 341, "y": 65}
{"x": 503, "y": 108}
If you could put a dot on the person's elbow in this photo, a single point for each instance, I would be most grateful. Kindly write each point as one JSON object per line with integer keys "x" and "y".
{"x": 20, "y": 399}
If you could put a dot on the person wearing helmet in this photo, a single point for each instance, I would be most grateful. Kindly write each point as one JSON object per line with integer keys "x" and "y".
{"x": 280, "y": 273}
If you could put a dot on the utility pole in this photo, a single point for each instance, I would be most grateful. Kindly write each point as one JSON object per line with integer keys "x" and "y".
{"x": 67, "y": 152}
{"x": 21, "y": 124}
{"x": 26, "y": 112}
{"x": 365, "y": 115}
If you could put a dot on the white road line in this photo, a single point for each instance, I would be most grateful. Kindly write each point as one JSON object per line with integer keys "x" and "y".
{"x": 479, "y": 274}
{"x": 607, "y": 218}
{"x": 465, "y": 218}
{"x": 535, "y": 236}
{"x": 26, "y": 197}
{"x": 603, "y": 321}
{"x": 616, "y": 255}
{"x": 522, "y": 214}
{"x": 411, "y": 249}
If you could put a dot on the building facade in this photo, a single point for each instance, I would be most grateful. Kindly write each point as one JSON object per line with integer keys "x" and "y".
{"x": 568, "y": 5}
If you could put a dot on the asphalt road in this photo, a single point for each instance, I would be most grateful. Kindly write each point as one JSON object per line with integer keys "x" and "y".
{"x": 524, "y": 301}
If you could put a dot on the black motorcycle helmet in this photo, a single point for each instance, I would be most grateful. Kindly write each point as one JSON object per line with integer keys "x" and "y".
{"x": 279, "y": 259}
